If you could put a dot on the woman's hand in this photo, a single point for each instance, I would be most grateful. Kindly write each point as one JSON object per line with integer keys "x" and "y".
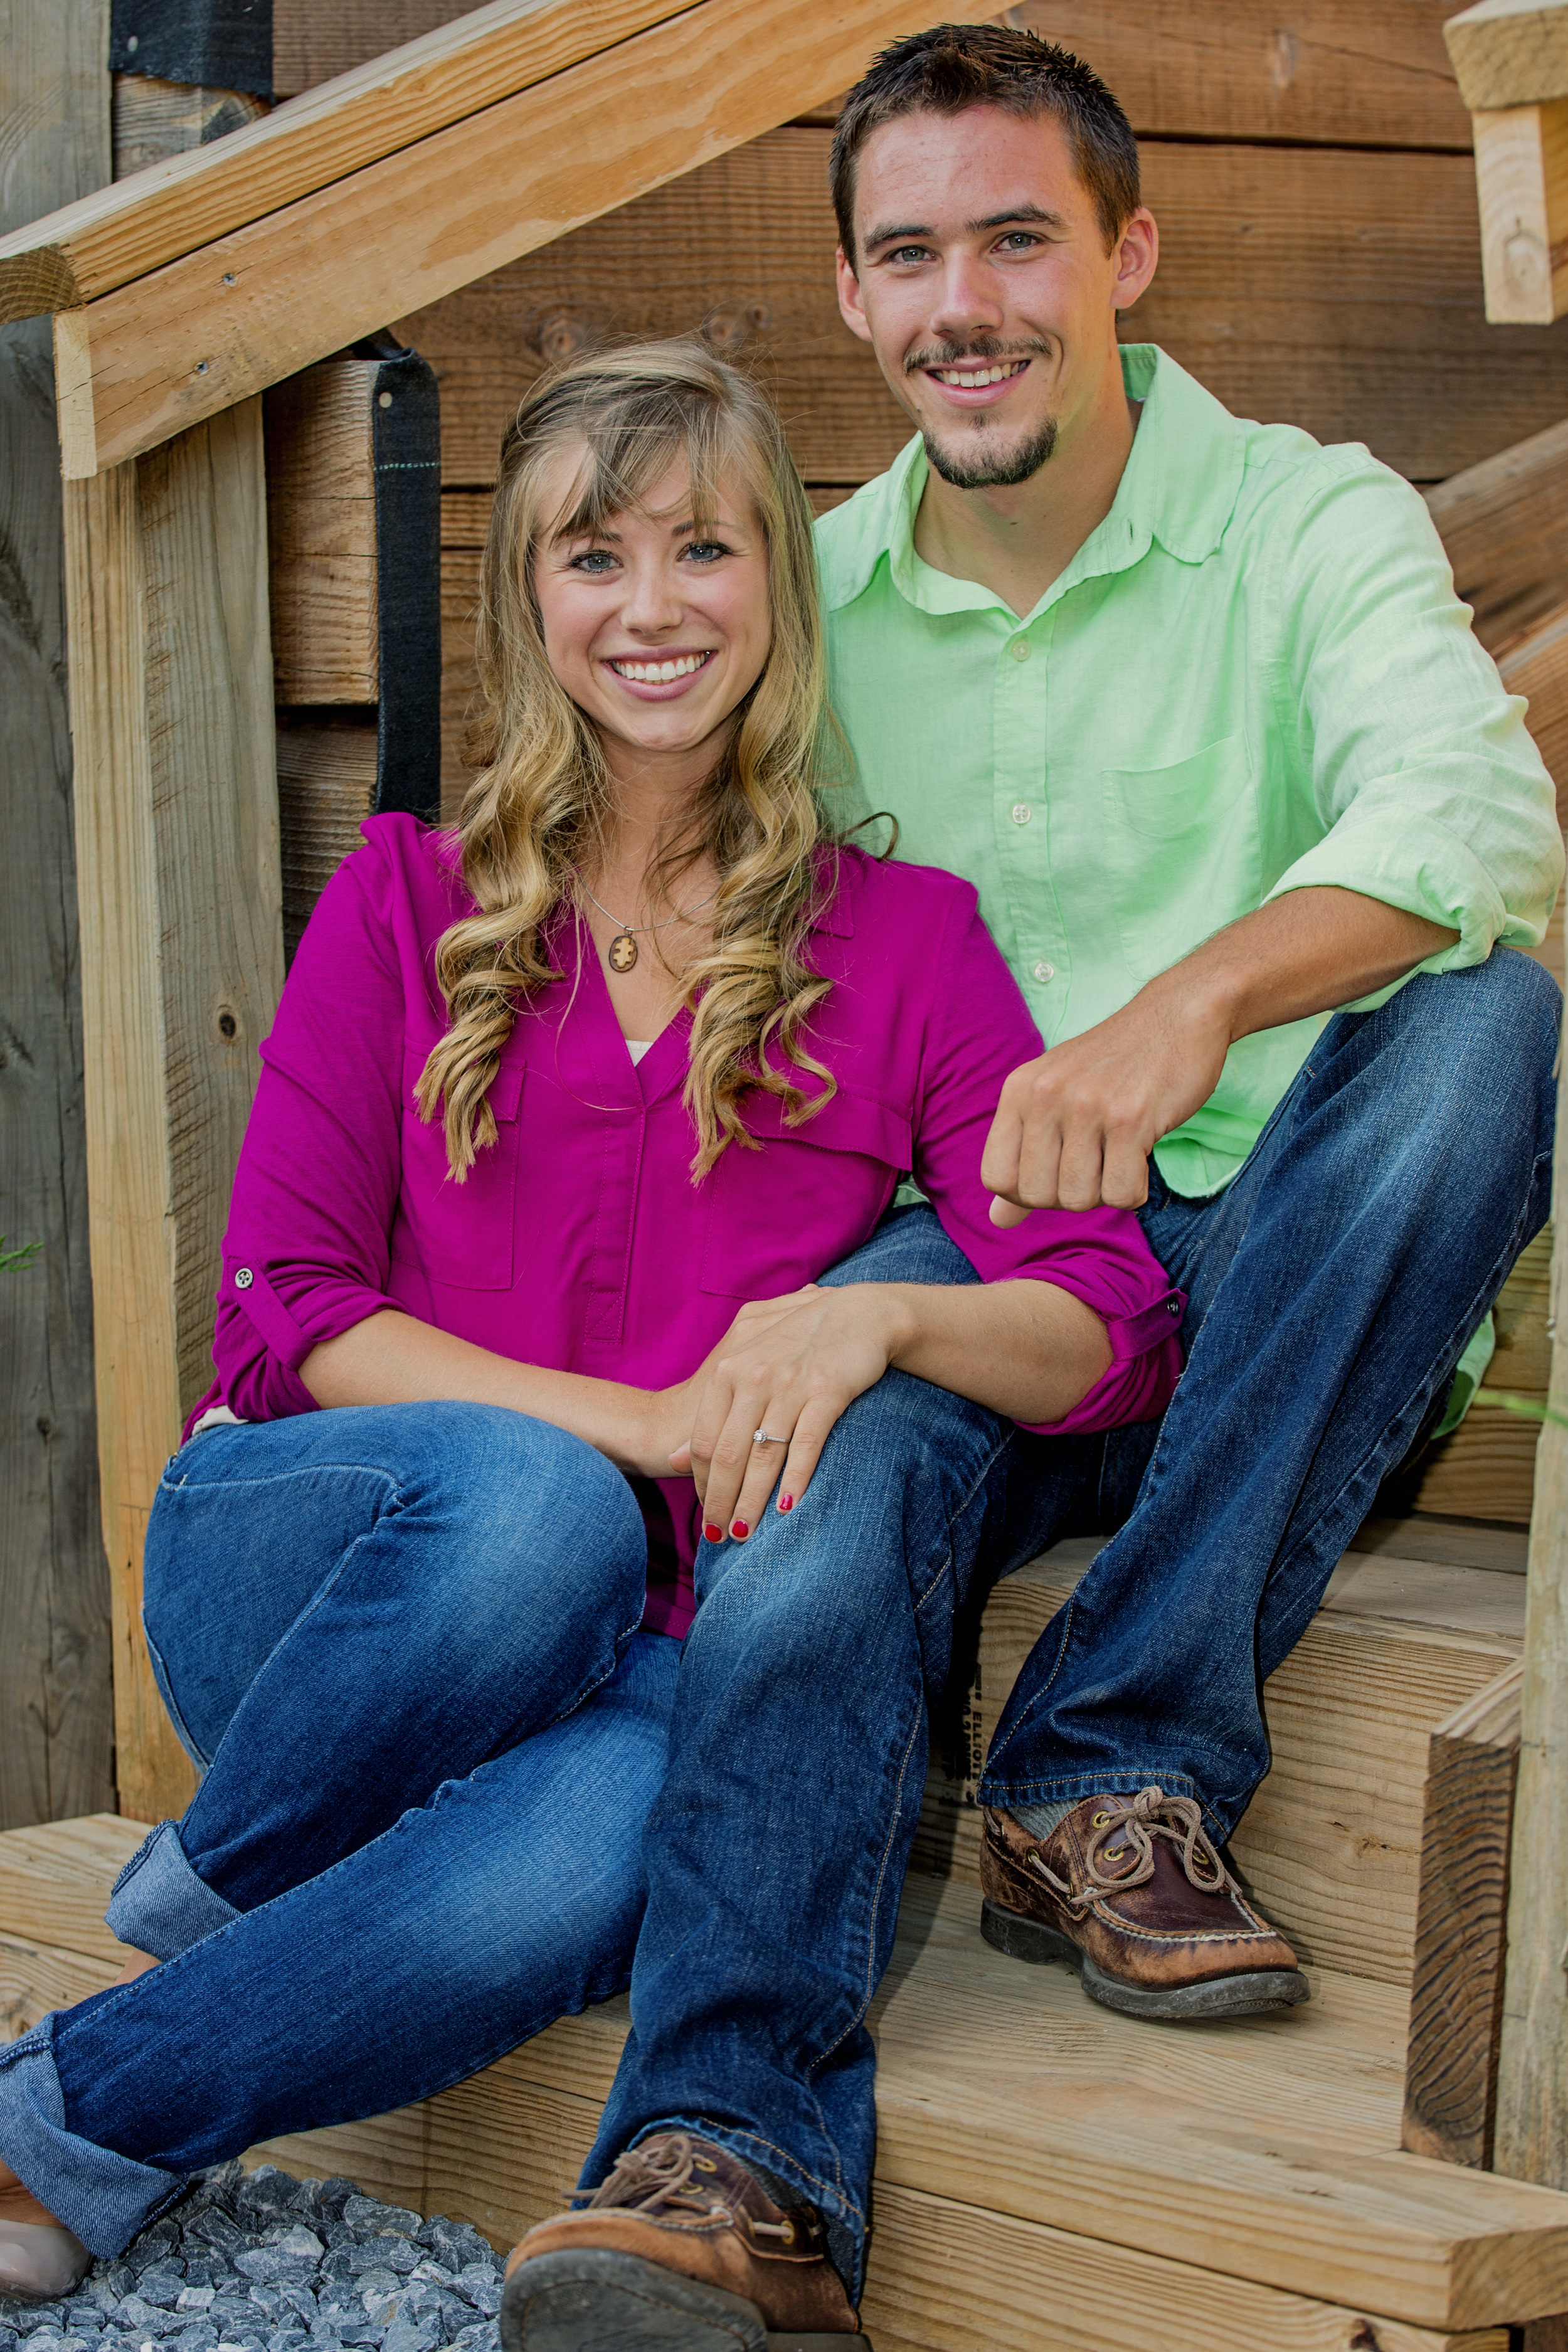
{"x": 789, "y": 1366}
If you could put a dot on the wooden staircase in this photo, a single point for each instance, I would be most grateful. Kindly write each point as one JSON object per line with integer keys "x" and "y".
{"x": 1051, "y": 2175}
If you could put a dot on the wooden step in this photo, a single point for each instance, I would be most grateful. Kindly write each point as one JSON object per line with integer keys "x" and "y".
{"x": 1331, "y": 1842}
{"x": 1037, "y": 2154}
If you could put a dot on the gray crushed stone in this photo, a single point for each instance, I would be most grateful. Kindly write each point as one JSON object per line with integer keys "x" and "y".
{"x": 259, "y": 2262}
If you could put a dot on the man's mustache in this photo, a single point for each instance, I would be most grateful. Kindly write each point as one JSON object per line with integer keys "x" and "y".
{"x": 982, "y": 351}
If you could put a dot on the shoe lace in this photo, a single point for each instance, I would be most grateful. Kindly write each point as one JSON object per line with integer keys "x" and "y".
{"x": 663, "y": 2172}
{"x": 1141, "y": 1819}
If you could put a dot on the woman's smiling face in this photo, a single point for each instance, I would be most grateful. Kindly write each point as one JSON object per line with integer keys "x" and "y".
{"x": 656, "y": 630}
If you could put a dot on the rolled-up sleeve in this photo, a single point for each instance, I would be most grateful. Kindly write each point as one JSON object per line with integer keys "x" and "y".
{"x": 1427, "y": 787}
{"x": 979, "y": 1032}
{"x": 306, "y": 1253}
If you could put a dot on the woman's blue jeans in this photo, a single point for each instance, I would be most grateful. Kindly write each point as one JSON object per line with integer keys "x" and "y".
{"x": 400, "y": 1641}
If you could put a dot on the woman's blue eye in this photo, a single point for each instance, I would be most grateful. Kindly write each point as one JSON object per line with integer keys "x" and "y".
{"x": 705, "y": 551}
{"x": 596, "y": 560}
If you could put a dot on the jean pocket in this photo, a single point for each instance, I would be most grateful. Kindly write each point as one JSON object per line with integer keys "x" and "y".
{"x": 461, "y": 1235}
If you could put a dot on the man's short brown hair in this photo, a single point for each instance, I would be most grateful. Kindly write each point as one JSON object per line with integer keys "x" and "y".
{"x": 955, "y": 67}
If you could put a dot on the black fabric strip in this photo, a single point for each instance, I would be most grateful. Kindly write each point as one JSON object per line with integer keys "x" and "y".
{"x": 214, "y": 44}
{"x": 405, "y": 413}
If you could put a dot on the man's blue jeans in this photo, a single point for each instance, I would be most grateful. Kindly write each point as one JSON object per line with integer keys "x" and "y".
{"x": 1334, "y": 1287}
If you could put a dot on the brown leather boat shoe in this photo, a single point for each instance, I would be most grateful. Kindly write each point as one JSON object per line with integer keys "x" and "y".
{"x": 680, "y": 2249}
{"x": 1131, "y": 1887}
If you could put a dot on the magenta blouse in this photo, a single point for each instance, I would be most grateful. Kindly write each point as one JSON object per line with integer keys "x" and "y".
{"x": 579, "y": 1241}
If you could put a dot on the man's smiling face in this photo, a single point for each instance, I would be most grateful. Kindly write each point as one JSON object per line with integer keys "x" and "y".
{"x": 982, "y": 280}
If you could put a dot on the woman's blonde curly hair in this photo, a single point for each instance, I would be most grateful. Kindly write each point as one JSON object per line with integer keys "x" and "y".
{"x": 542, "y": 804}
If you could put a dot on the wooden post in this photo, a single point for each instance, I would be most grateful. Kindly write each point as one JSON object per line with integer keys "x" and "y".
{"x": 1532, "y": 2136}
{"x": 182, "y": 956}
{"x": 56, "y": 1711}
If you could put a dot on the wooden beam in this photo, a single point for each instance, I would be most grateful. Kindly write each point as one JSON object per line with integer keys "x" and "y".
{"x": 105, "y": 240}
{"x": 56, "y": 1729}
{"x": 320, "y": 534}
{"x": 1522, "y": 185}
{"x": 176, "y": 833}
{"x": 1509, "y": 54}
{"x": 191, "y": 339}
{"x": 1531, "y": 2136}
{"x": 154, "y": 120}
{"x": 1504, "y": 525}
{"x": 1456, "y": 2002}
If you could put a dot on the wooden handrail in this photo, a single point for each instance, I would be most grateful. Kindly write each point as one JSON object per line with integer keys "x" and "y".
{"x": 122, "y": 232}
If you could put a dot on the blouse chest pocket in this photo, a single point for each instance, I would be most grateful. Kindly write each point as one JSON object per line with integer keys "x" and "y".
{"x": 461, "y": 1235}
{"x": 781, "y": 1215}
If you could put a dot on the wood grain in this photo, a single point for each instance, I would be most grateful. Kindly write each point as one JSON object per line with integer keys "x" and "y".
{"x": 56, "y": 1725}
{"x": 1456, "y": 1982}
{"x": 1337, "y": 291}
{"x": 1504, "y": 524}
{"x": 326, "y": 788}
{"x": 119, "y": 233}
{"x": 1506, "y": 54}
{"x": 1485, "y": 1471}
{"x": 181, "y": 958}
{"x": 1327, "y": 72}
{"x": 320, "y": 534}
{"x": 1522, "y": 186}
{"x": 154, "y": 120}
{"x": 1532, "y": 2136}
{"x": 189, "y": 340}
{"x": 55, "y": 1881}
{"x": 1536, "y": 665}
{"x": 35, "y": 1980}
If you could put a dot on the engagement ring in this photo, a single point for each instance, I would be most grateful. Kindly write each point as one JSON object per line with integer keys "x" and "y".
{"x": 761, "y": 1438}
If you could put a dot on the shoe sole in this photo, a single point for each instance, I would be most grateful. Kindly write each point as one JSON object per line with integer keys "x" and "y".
{"x": 601, "y": 2301}
{"x": 1239, "y": 1996}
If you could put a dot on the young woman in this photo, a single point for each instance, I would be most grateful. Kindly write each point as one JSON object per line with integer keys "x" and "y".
{"x": 525, "y": 1372}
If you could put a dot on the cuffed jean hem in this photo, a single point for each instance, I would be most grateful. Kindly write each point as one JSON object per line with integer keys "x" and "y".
{"x": 1071, "y": 1788}
{"x": 159, "y": 1903}
{"x": 103, "y": 2197}
{"x": 783, "y": 2180}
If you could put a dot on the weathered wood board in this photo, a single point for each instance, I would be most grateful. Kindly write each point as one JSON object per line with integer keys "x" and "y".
{"x": 320, "y": 534}
{"x": 56, "y": 1709}
{"x": 1456, "y": 1982}
{"x": 176, "y": 833}
{"x": 1326, "y": 72}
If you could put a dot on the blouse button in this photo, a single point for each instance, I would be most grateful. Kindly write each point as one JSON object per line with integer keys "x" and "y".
{"x": 1043, "y": 972}
{"x": 243, "y": 1278}
{"x": 1021, "y": 812}
{"x": 1020, "y": 649}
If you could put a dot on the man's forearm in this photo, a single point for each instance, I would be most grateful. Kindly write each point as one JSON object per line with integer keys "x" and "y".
{"x": 1023, "y": 1348}
{"x": 1309, "y": 952}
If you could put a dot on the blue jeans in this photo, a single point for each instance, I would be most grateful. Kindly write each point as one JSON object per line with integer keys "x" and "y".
{"x": 399, "y": 1642}
{"x": 1332, "y": 1287}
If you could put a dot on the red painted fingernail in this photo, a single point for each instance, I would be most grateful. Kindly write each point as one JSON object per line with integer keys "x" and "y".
{"x": 786, "y": 1502}
{"x": 739, "y": 1528}
{"x": 713, "y": 1534}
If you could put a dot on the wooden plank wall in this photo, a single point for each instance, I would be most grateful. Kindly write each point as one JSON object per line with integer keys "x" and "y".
{"x": 55, "y": 1713}
{"x": 1310, "y": 170}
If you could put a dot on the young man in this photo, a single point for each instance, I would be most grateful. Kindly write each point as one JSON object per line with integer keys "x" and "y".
{"x": 1192, "y": 703}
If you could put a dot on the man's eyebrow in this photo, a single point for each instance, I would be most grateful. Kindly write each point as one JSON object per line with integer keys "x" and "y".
{"x": 895, "y": 235}
{"x": 1024, "y": 212}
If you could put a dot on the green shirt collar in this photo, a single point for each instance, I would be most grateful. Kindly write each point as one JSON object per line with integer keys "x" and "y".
{"x": 1179, "y": 487}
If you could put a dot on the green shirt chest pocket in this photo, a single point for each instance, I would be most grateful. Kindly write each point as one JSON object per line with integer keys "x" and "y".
{"x": 1181, "y": 848}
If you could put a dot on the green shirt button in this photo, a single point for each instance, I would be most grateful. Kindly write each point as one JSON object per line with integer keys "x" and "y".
{"x": 1021, "y": 812}
{"x": 1020, "y": 649}
{"x": 1043, "y": 972}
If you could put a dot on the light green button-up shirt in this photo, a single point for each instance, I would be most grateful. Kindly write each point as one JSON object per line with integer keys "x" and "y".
{"x": 1254, "y": 676}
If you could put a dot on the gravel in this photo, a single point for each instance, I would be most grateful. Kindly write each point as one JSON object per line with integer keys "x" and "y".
{"x": 260, "y": 2262}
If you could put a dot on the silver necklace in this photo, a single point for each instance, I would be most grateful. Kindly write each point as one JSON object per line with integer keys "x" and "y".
{"x": 623, "y": 948}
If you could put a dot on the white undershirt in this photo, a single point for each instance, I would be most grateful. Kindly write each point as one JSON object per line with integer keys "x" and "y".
{"x": 637, "y": 1047}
